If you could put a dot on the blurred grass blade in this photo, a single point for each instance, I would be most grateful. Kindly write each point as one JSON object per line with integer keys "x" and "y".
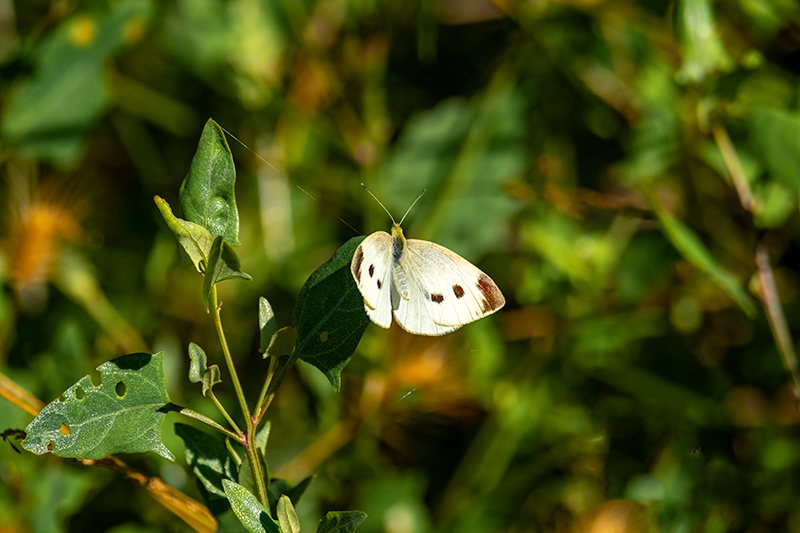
{"x": 694, "y": 251}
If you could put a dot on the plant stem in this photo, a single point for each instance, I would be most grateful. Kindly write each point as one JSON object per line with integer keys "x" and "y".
{"x": 777, "y": 320}
{"x": 260, "y": 409}
{"x": 250, "y": 431}
{"x": 224, "y": 412}
{"x": 273, "y": 385}
{"x": 204, "y": 419}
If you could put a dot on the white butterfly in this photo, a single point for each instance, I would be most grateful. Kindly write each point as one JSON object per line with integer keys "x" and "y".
{"x": 429, "y": 289}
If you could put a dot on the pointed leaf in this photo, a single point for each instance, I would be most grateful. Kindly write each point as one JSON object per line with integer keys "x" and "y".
{"x": 282, "y": 342}
{"x": 266, "y": 323}
{"x": 122, "y": 414}
{"x": 287, "y": 516}
{"x": 262, "y": 435}
{"x": 208, "y": 458}
{"x": 250, "y": 512}
{"x": 330, "y": 315}
{"x": 210, "y": 378}
{"x": 279, "y": 487}
{"x": 341, "y": 522}
{"x": 193, "y": 238}
{"x": 207, "y": 193}
{"x": 197, "y": 363}
{"x": 223, "y": 263}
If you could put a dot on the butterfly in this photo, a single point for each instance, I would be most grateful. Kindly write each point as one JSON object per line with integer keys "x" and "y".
{"x": 429, "y": 289}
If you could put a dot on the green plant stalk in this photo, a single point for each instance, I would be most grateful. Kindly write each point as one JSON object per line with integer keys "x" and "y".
{"x": 224, "y": 412}
{"x": 204, "y": 419}
{"x": 273, "y": 386}
{"x": 261, "y": 406}
{"x": 776, "y": 318}
{"x": 250, "y": 431}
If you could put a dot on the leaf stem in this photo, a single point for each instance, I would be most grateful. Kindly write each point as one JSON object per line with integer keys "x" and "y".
{"x": 273, "y": 385}
{"x": 738, "y": 177}
{"x": 224, "y": 412}
{"x": 250, "y": 432}
{"x": 260, "y": 409}
{"x": 204, "y": 419}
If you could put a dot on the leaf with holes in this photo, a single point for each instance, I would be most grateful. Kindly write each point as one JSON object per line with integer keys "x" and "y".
{"x": 122, "y": 414}
{"x": 330, "y": 315}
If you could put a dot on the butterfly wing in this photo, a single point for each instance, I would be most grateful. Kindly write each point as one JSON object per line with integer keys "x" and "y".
{"x": 452, "y": 290}
{"x": 412, "y": 315}
{"x": 371, "y": 270}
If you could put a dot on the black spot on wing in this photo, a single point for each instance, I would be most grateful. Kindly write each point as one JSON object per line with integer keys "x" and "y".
{"x": 380, "y": 284}
{"x": 371, "y": 270}
{"x": 358, "y": 258}
{"x": 458, "y": 290}
{"x": 436, "y": 297}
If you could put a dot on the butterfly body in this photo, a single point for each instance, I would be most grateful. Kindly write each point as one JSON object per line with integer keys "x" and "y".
{"x": 428, "y": 289}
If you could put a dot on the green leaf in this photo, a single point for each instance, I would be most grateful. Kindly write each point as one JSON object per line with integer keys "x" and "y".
{"x": 194, "y": 239}
{"x": 223, "y": 263}
{"x": 208, "y": 458}
{"x": 49, "y": 114}
{"x": 329, "y": 315}
{"x": 262, "y": 435}
{"x": 341, "y": 521}
{"x": 773, "y": 206}
{"x": 207, "y": 193}
{"x": 280, "y": 487}
{"x": 250, "y": 512}
{"x": 693, "y": 249}
{"x": 210, "y": 378}
{"x": 282, "y": 342}
{"x": 266, "y": 323}
{"x": 287, "y": 516}
{"x": 197, "y": 363}
{"x": 776, "y": 136}
{"x": 122, "y": 414}
{"x": 702, "y": 50}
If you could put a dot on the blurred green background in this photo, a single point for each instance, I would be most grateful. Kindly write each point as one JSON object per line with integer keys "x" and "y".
{"x": 579, "y": 151}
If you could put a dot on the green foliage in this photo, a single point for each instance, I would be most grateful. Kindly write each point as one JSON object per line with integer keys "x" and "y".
{"x": 121, "y": 414}
{"x": 207, "y": 194}
{"x": 329, "y": 315}
{"x": 614, "y": 167}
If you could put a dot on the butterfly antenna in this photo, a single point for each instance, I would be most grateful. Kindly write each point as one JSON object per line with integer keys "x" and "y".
{"x": 412, "y": 205}
{"x": 379, "y": 203}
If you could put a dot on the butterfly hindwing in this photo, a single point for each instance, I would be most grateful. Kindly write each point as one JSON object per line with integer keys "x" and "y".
{"x": 453, "y": 291}
{"x": 371, "y": 270}
{"x": 412, "y": 314}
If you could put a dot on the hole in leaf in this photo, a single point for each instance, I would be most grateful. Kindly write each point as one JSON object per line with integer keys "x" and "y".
{"x": 65, "y": 429}
{"x": 51, "y": 446}
{"x": 96, "y": 378}
{"x": 61, "y": 398}
{"x": 323, "y": 337}
{"x": 80, "y": 394}
{"x": 121, "y": 389}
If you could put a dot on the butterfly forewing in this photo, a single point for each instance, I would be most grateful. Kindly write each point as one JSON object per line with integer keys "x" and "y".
{"x": 370, "y": 268}
{"x": 454, "y": 292}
